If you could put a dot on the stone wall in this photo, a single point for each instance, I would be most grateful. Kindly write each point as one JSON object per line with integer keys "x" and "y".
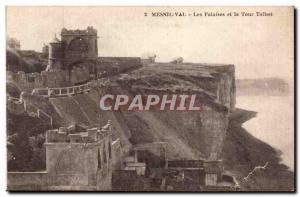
{"x": 79, "y": 74}
{"x": 71, "y": 164}
{"x": 29, "y": 81}
{"x": 79, "y": 45}
{"x": 61, "y": 78}
{"x": 117, "y": 155}
{"x": 25, "y": 180}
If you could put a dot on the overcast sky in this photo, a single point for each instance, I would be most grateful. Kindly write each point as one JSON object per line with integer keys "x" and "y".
{"x": 258, "y": 46}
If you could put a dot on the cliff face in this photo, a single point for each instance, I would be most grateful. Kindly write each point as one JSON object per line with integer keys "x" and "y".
{"x": 190, "y": 134}
{"x": 215, "y": 82}
{"x": 242, "y": 153}
{"x": 262, "y": 87}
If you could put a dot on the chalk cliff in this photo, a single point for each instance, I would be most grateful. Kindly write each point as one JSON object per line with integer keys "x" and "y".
{"x": 190, "y": 135}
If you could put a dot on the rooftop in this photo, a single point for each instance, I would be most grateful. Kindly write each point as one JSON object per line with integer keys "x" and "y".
{"x": 78, "y": 134}
{"x": 88, "y": 31}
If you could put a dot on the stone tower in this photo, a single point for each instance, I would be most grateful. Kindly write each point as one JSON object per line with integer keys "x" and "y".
{"x": 56, "y": 54}
{"x": 79, "y": 46}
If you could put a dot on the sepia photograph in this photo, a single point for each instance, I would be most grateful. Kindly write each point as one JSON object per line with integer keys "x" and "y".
{"x": 150, "y": 99}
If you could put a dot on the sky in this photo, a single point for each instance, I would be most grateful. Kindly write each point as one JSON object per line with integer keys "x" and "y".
{"x": 258, "y": 46}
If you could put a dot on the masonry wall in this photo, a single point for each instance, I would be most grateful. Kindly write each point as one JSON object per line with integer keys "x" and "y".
{"x": 117, "y": 155}
{"x": 79, "y": 75}
{"x": 29, "y": 81}
{"x": 70, "y": 166}
{"x": 62, "y": 78}
{"x": 72, "y": 56}
{"x": 78, "y": 159}
{"x": 25, "y": 181}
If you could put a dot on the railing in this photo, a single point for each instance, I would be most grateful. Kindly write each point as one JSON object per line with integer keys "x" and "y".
{"x": 31, "y": 109}
{"x": 14, "y": 100}
{"x": 60, "y": 92}
{"x": 68, "y": 91}
{"x": 117, "y": 141}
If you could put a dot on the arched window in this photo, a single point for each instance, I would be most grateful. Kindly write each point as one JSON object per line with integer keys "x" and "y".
{"x": 78, "y": 44}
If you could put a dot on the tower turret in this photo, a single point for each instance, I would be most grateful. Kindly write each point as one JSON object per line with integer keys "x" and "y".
{"x": 55, "y": 54}
{"x": 79, "y": 45}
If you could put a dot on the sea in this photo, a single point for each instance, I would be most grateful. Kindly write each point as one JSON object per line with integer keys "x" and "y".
{"x": 274, "y": 123}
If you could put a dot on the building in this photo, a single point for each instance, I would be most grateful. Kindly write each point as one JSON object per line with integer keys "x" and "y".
{"x": 143, "y": 172}
{"x": 45, "y": 50}
{"x": 72, "y": 60}
{"x": 74, "y": 48}
{"x": 148, "y": 58}
{"x": 77, "y": 158}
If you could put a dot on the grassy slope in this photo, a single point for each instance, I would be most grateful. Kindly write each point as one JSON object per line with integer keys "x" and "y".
{"x": 132, "y": 128}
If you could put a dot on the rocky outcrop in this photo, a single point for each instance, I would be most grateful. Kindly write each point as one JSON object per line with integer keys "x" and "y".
{"x": 256, "y": 165}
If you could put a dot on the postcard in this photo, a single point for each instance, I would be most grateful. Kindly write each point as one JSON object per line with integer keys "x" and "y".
{"x": 150, "y": 99}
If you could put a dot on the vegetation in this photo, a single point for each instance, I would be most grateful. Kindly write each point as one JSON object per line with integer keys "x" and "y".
{"x": 25, "y": 142}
